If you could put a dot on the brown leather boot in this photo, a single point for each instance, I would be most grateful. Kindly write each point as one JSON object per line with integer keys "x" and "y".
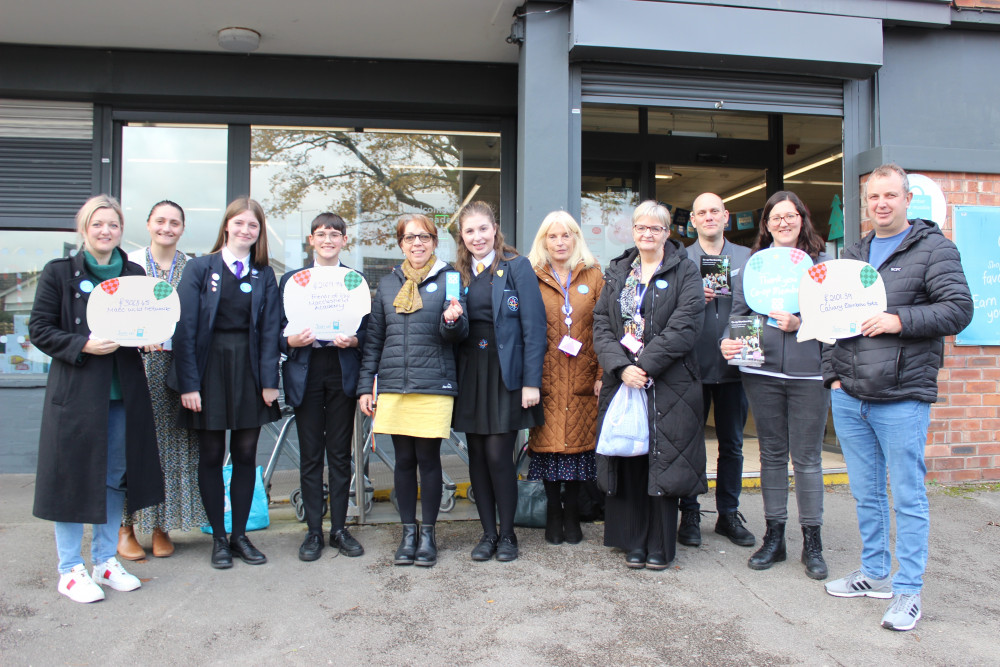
{"x": 162, "y": 546}
{"x": 129, "y": 547}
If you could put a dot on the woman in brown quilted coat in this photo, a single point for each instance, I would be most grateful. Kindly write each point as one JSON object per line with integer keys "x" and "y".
{"x": 562, "y": 450}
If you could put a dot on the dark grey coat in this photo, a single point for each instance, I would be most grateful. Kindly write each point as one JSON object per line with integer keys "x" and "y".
{"x": 73, "y": 445}
{"x": 674, "y": 315}
{"x": 412, "y": 353}
{"x": 926, "y": 287}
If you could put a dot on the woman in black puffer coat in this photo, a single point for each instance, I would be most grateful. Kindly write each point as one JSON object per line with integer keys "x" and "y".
{"x": 412, "y": 330}
{"x": 656, "y": 279}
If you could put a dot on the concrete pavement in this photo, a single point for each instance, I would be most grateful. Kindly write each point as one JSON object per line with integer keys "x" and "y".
{"x": 565, "y": 605}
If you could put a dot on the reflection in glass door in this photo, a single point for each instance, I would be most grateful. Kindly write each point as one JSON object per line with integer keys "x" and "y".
{"x": 369, "y": 178}
{"x": 185, "y": 164}
{"x": 606, "y": 213}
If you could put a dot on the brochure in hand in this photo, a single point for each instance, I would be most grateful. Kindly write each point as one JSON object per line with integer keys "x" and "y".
{"x": 747, "y": 330}
{"x": 715, "y": 274}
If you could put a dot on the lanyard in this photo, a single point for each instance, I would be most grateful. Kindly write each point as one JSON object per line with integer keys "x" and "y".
{"x": 567, "y": 309}
{"x": 156, "y": 269}
{"x": 640, "y": 294}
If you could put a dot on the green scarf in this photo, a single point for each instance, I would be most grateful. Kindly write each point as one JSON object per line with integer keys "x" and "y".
{"x": 103, "y": 272}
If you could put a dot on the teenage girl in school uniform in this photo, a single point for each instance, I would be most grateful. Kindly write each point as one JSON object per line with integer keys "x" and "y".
{"x": 226, "y": 357}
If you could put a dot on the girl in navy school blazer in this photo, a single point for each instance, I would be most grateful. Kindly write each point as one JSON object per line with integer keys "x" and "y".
{"x": 500, "y": 371}
{"x": 228, "y": 380}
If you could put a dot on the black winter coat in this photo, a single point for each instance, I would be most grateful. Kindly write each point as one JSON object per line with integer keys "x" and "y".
{"x": 674, "y": 315}
{"x": 412, "y": 353}
{"x": 70, "y": 485}
{"x": 926, "y": 287}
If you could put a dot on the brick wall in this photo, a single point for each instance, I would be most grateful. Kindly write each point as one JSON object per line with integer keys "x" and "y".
{"x": 963, "y": 442}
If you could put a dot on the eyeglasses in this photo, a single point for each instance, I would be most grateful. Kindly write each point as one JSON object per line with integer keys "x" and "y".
{"x": 410, "y": 238}
{"x": 655, "y": 231}
{"x": 323, "y": 236}
{"x": 790, "y": 218}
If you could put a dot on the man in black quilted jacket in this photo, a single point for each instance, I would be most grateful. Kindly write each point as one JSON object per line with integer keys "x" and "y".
{"x": 884, "y": 382}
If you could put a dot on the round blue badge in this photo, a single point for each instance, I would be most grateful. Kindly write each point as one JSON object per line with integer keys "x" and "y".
{"x": 432, "y": 287}
{"x": 661, "y": 284}
{"x": 583, "y": 289}
{"x": 245, "y": 288}
{"x": 86, "y": 286}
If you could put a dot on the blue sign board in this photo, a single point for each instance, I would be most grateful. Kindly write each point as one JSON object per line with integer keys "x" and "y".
{"x": 977, "y": 235}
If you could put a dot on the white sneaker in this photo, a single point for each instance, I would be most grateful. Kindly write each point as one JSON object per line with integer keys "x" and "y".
{"x": 903, "y": 613}
{"x": 79, "y": 587}
{"x": 111, "y": 573}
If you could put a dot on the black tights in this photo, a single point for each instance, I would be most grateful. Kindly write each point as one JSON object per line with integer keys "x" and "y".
{"x": 410, "y": 453}
{"x": 493, "y": 479}
{"x": 570, "y": 500}
{"x": 243, "y": 452}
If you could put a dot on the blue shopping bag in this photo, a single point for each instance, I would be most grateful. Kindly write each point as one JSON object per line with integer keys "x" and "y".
{"x": 625, "y": 431}
{"x": 259, "y": 517}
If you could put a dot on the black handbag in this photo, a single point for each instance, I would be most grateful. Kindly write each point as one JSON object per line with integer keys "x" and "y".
{"x": 531, "y": 504}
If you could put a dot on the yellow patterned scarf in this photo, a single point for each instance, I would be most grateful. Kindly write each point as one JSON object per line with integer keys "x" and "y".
{"x": 408, "y": 300}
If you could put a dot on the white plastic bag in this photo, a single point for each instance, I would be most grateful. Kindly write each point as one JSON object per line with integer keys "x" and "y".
{"x": 625, "y": 430}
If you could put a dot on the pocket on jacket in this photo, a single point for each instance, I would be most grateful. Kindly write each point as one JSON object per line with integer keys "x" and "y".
{"x": 511, "y": 303}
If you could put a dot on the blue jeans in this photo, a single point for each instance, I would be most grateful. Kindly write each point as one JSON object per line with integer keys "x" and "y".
{"x": 69, "y": 536}
{"x": 876, "y": 438}
{"x": 730, "y": 419}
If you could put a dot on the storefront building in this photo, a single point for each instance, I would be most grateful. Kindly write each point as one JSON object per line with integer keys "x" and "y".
{"x": 588, "y": 106}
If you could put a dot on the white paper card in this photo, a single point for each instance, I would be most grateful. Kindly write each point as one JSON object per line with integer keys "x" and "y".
{"x": 330, "y": 300}
{"x": 133, "y": 311}
{"x": 631, "y": 343}
{"x": 570, "y": 346}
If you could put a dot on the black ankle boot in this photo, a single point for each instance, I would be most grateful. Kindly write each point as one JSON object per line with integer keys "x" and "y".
{"x": 812, "y": 553}
{"x": 427, "y": 552}
{"x": 571, "y": 514}
{"x": 553, "y": 523}
{"x": 407, "y": 546}
{"x": 772, "y": 547}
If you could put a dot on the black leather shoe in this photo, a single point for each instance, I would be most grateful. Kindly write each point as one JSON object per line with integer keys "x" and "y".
{"x": 656, "y": 561}
{"x": 312, "y": 547}
{"x": 222, "y": 557}
{"x": 242, "y": 547}
{"x": 407, "y": 546}
{"x": 772, "y": 547}
{"x": 812, "y": 553}
{"x": 486, "y": 548}
{"x": 507, "y": 548}
{"x": 343, "y": 540}
{"x": 427, "y": 552}
{"x": 689, "y": 532}
{"x": 636, "y": 559}
{"x": 730, "y": 525}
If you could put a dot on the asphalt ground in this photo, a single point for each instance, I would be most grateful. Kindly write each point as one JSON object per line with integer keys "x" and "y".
{"x": 555, "y": 605}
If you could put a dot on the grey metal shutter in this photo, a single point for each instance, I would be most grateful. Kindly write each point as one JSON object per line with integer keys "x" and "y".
{"x": 46, "y": 162}
{"x": 737, "y": 91}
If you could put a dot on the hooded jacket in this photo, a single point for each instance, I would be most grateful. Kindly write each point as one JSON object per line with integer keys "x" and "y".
{"x": 674, "y": 306}
{"x": 926, "y": 287}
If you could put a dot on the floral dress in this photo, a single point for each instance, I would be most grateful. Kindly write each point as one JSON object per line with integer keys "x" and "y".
{"x": 182, "y": 508}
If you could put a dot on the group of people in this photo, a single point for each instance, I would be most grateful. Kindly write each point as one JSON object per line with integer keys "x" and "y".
{"x": 541, "y": 342}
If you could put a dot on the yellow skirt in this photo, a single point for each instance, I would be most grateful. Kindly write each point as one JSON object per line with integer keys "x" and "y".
{"x": 416, "y": 415}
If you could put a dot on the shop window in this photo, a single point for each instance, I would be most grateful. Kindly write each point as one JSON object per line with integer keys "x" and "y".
{"x": 183, "y": 163}
{"x": 23, "y": 255}
{"x": 368, "y": 177}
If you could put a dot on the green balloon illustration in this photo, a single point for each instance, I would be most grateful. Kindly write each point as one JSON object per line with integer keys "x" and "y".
{"x": 756, "y": 263}
{"x": 162, "y": 290}
{"x": 868, "y": 276}
{"x": 352, "y": 280}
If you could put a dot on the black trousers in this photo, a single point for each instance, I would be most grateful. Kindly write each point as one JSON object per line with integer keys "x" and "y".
{"x": 730, "y": 419}
{"x": 325, "y": 424}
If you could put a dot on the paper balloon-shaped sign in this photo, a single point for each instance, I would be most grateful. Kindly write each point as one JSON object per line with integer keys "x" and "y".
{"x": 835, "y": 297}
{"x": 771, "y": 279}
{"x": 133, "y": 311}
{"x": 330, "y": 300}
